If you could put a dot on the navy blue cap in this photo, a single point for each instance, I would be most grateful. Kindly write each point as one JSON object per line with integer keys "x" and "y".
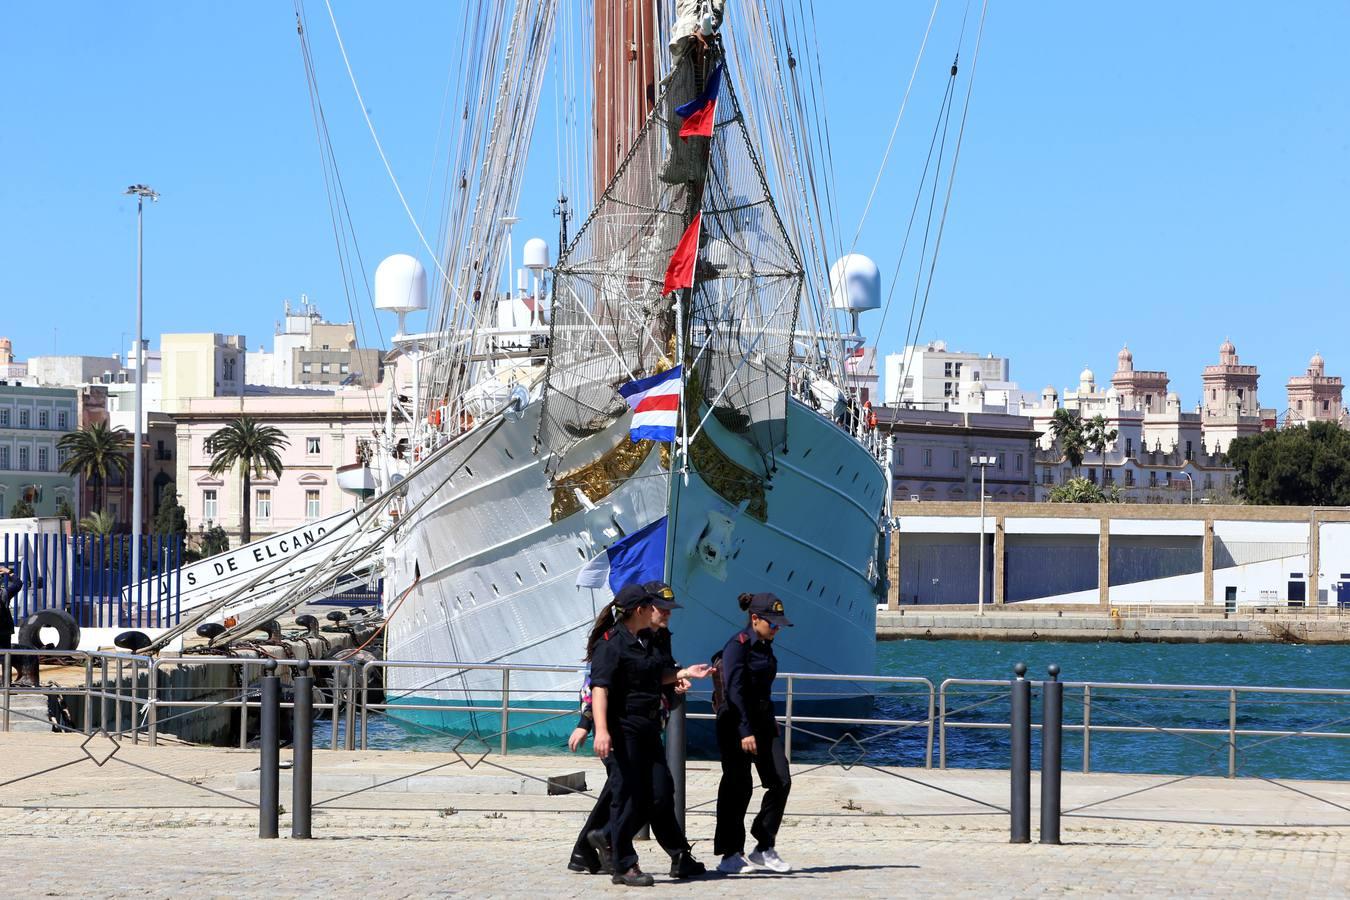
{"x": 767, "y": 606}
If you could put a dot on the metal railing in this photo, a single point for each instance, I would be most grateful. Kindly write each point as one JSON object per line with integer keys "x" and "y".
{"x": 503, "y": 709}
{"x": 117, "y": 685}
{"x": 1086, "y": 728}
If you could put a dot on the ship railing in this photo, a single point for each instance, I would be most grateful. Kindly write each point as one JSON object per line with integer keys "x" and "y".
{"x": 1131, "y": 708}
{"x": 799, "y": 688}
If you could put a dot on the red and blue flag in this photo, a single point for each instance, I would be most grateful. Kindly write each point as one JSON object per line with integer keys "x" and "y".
{"x": 698, "y": 114}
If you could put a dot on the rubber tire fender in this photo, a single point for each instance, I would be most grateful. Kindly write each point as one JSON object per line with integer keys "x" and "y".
{"x": 67, "y": 629}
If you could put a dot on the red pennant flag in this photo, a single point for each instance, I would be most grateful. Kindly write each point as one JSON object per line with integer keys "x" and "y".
{"x": 680, "y": 272}
{"x": 700, "y": 122}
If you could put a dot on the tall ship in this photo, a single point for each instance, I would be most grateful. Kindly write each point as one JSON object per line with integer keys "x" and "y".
{"x": 529, "y": 466}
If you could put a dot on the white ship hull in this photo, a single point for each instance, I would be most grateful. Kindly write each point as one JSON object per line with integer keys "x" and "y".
{"x": 486, "y": 576}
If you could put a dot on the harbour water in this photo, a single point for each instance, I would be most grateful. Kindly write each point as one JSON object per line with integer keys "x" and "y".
{"x": 1256, "y": 665}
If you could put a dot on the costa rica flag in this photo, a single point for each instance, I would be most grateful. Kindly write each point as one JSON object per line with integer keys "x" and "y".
{"x": 655, "y": 401}
{"x": 699, "y": 113}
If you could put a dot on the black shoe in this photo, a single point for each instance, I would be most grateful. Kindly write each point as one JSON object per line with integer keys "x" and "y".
{"x": 582, "y": 861}
{"x": 683, "y": 865}
{"x": 634, "y": 877}
{"x": 600, "y": 843}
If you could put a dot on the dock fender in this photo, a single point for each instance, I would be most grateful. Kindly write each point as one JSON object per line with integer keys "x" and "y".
{"x": 67, "y": 630}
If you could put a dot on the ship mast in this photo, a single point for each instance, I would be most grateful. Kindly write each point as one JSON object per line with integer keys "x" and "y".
{"x": 628, "y": 53}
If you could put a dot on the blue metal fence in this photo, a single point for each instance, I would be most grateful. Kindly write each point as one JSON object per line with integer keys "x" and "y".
{"x": 90, "y": 576}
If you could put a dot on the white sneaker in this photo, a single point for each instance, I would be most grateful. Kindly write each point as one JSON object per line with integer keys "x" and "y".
{"x": 735, "y": 864}
{"x": 769, "y": 859}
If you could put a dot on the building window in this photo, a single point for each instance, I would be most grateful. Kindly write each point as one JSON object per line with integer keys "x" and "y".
{"x": 928, "y": 459}
{"x": 23, "y": 459}
{"x": 1129, "y": 477}
{"x": 23, "y": 418}
{"x": 311, "y": 504}
{"x": 946, "y": 388}
{"x": 264, "y": 505}
{"x": 208, "y": 447}
{"x": 344, "y": 369}
{"x": 1109, "y": 476}
{"x": 306, "y": 368}
{"x": 326, "y": 368}
{"x": 1092, "y": 475}
{"x": 312, "y": 446}
{"x": 1129, "y": 448}
{"x": 900, "y": 455}
{"x": 1000, "y": 461}
{"x": 4, "y": 418}
{"x": 1300, "y": 404}
{"x": 44, "y": 457}
{"x": 956, "y": 370}
{"x": 956, "y": 459}
{"x": 1326, "y": 405}
{"x": 1188, "y": 449}
{"x": 947, "y": 370}
{"x": 1153, "y": 479}
{"x": 62, "y": 420}
{"x": 60, "y": 457}
{"x": 44, "y": 419}
{"x": 1049, "y": 477}
{"x": 209, "y": 510}
{"x": 4, "y": 457}
{"x": 1019, "y": 462}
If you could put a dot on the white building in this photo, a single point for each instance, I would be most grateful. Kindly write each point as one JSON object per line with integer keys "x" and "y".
{"x": 929, "y": 376}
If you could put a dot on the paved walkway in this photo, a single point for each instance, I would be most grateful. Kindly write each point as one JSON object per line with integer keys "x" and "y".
{"x": 147, "y": 821}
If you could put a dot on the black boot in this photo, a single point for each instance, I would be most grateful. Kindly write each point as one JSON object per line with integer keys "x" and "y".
{"x": 683, "y": 865}
{"x": 634, "y": 877}
{"x": 599, "y": 842}
{"x": 584, "y": 860}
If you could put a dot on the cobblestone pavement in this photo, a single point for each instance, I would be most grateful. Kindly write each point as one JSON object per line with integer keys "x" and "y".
{"x": 843, "y": 833}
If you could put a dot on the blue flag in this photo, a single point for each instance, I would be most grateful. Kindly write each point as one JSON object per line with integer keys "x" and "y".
{"x": 634, "y": 558}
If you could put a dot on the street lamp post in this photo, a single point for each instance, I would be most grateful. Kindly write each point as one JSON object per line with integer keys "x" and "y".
{"x": 1192, "y": 485}
{"x": 142, "y": 193}
{"x": 982, "y": 463}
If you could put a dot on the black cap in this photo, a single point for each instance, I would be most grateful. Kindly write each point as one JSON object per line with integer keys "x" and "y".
{"x": 768, "y": 606}
{"x": 661, "y": 594}
{"x": 653, "y": 593}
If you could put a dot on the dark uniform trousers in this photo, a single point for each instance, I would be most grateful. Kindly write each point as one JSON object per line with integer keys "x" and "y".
{"x": 642, "y": 792}
{"x": 733, "y": 794}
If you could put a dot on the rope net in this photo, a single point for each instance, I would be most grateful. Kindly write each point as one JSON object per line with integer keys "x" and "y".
{"x": 609, "y": 322}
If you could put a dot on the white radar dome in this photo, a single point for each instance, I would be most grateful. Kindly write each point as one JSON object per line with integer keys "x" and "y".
{"x": 534, "y": 254}
{"x": 855, "y": 284}
{"x": 400, "y": 284}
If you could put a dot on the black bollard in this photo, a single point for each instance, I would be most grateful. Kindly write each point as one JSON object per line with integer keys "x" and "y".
{"x": 269, "y": 745}
{"x": 1052, "y": 743}
{"x": 1020, "y": 766}
{"x": 302, "y": 743}
{"x": 676, "y": 749}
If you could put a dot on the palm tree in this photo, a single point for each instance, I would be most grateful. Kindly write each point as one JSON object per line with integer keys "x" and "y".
{"x": 1068, "y": 431}
{"x": 99, "y": 523}
{"x": 1096, "y": 436}
{"x": 93, "y": 452}
{"x": 253, "y": 448}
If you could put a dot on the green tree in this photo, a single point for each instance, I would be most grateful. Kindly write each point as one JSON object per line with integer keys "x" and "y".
{"x": 255, "y": 450}
{"x": 214, "y": 540}
{"x": 93, "y": 452}
{"x": 1306, "y": 465}
{"x": 98, "y": 523}
{"x": 65, "y": 510}
{"x": 22, "y": 509}
{"x": 1080, "y": 490}
{"x": 1096, "y": 437}
{"x": 170, "y": 518}
{"x": 1067, "y": 428}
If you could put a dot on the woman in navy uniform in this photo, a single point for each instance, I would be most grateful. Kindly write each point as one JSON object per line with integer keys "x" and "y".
{"x": 10, "y": 585}
{"x": 748, "y": 734}
{"x": 591, "y": 853}
{"x": 628, "y": 672}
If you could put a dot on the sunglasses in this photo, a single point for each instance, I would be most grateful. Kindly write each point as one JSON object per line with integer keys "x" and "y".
{"x": 773, "y": 626}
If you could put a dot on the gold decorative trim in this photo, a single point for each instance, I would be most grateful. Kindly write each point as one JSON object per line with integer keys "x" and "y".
{"x": 602, "y": 477}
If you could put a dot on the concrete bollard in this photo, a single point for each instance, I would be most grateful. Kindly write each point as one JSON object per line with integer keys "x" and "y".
{"x": 1052, "y": 744}
{"x": 1020, "y": 763}
{"x": 269, "y": 740}
{"x": 302, "y": 745}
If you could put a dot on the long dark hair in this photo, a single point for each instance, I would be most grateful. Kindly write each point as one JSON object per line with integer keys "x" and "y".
{"x": 607, "y": 619}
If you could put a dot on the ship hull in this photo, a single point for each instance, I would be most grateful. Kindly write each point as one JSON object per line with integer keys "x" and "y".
{"x": 484, "y": 574}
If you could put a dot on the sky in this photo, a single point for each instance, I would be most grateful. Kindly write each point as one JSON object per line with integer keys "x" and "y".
{"x": 1163, "y": 175}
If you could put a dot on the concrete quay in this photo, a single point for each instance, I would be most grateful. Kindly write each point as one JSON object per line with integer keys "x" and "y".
{"x": 171, "y": 821}
{"x": 1001, "y": 623}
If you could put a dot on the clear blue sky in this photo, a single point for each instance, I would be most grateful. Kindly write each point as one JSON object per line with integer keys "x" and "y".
{"x": 1162, "y": 174}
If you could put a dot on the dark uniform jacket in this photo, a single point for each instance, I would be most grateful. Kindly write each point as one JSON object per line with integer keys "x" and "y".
{"x": 748, "y": 669}
{"x": 587, "y": 719}
{"x": 10, "y": 585}
{"x": 631, "y": 668}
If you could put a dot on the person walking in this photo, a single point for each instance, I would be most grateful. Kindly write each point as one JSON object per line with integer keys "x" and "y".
{"x": 10, "y": 585}
{"x": 591, "y": 852}
{"x": 628, "y": 670}
{"x": 748, "y": 735}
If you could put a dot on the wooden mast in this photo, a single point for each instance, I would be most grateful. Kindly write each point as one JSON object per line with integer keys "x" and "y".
{"x": 626, "y": 75}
